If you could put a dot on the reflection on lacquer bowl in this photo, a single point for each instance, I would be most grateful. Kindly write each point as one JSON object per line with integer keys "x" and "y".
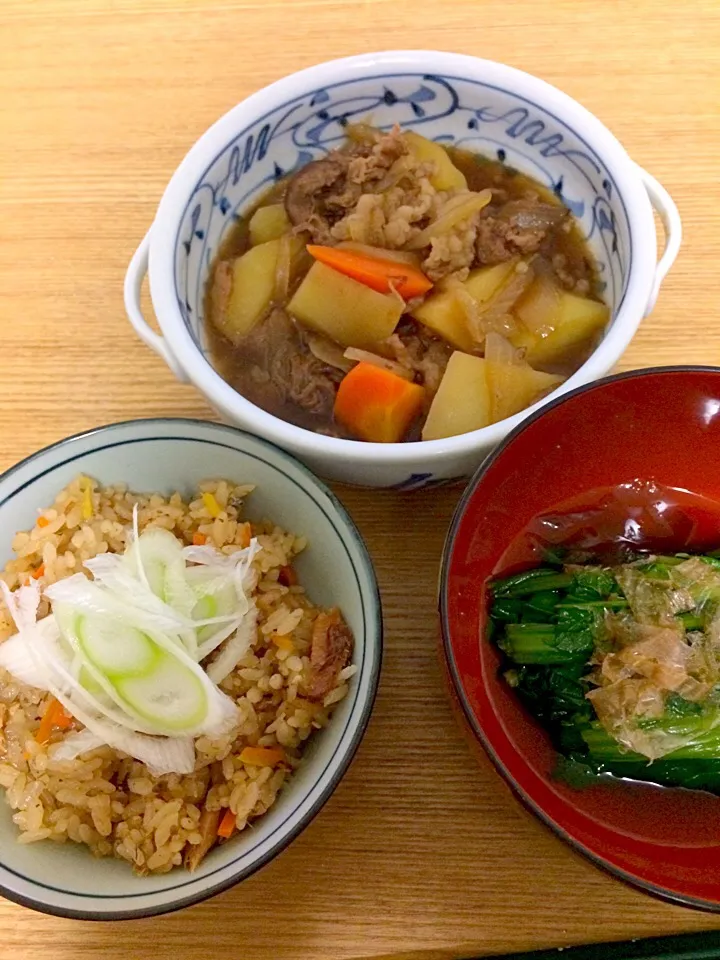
{"x": 655, "y": 426}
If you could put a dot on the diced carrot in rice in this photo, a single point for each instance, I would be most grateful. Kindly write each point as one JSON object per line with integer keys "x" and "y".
{"x": 262, "y": 756}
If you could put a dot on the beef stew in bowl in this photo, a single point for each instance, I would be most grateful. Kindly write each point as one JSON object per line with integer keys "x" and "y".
{"x": 467, "y": 101}
{"x": 400, "y": 290}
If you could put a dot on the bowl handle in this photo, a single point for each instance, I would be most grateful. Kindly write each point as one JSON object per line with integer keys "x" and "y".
{"x": 133, "y": 283}
{"x": 667, "y": 210}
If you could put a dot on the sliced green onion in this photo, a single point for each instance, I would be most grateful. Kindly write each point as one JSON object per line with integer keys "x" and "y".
{"x": 117, "y": 649}
{"x": 170, "y": 695}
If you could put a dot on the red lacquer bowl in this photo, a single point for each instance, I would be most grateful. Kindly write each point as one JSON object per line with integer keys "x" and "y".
{"x": 660, "y": 425}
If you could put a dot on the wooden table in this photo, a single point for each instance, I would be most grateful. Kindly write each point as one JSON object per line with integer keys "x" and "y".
{"x": 420, "y": 852}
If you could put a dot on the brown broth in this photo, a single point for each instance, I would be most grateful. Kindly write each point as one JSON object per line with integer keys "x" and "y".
{"x": 480, "y": 172}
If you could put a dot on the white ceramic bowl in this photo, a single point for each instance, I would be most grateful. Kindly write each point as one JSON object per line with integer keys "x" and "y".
{"x": 478, "y": 104}
{"x": 168, "y": 455}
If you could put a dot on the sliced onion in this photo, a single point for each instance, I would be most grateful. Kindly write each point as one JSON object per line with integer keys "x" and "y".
{"x": 457, "y": 209}
{"x": 403, "y": 167}
{"x": 327, "y": 351}
{"x": 364, "y": 356}
{"x": 494, "y": 314}
{"x": 500, "y": 350}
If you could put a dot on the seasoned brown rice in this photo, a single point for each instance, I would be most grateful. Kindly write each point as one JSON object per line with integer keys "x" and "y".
{"x": 107, "y": 800}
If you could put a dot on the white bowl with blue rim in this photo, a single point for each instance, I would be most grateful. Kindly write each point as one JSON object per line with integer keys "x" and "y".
{"x": 483, "y": 106}
{"x": 167, "y": 455}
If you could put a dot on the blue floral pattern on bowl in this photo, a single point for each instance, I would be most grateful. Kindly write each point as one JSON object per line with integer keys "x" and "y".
{"x": 477, "y": 116}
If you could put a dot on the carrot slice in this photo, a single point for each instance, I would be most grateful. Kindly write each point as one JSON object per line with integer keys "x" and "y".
{"x": 227, "y": 825}
{"x": 199, "y": 539}
{"x": 55, "y": 716}
{"x": 379, "y": 274}
{"x": 39, "y": 572}
{"x": 262, "y": 756}
{"x": 377, "y": 405}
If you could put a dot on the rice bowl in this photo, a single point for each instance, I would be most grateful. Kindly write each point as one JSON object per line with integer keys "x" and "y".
{"x": 111, "y": 802}
{"x": 279, "y": 804}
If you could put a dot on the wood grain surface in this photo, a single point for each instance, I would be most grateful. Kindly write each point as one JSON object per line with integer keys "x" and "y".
{"x": 421, "y": 852}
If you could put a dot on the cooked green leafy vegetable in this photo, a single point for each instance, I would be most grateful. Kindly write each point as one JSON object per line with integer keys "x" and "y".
{"x": 620, "y": 663}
